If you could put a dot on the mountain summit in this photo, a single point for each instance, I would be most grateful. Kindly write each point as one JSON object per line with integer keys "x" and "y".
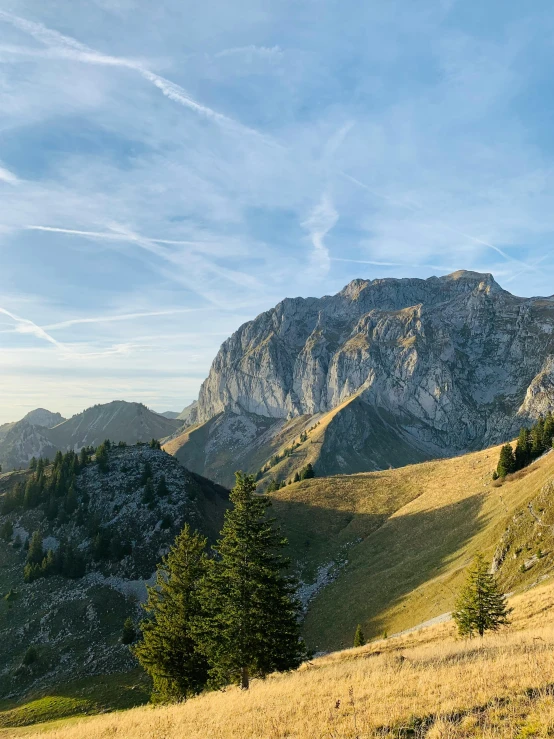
{"x": 118, "y": 421}
{"x": 395, "y": 371}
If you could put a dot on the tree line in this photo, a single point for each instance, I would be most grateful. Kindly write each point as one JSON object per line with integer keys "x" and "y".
{"x": 531, "y": 443}
{"x": 225, "y": 616}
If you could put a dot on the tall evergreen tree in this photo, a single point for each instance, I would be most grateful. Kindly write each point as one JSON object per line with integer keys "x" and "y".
{"x": 359, "y": 638}
{"x": 35, "y": 554}
{"x": 523, "y": 449}
{"x": 507, "y": 462}
{"x": 168, "y": 649}
{"x": 481, "y": 606}
{"x": 251, "y": 626}
{"x": 548, "y": 430}
{"x": 162, "y": 490}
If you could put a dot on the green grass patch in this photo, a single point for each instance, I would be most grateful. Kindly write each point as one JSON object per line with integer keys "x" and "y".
{"x": 87, "y": 696}
{"x": 49, "y": 708}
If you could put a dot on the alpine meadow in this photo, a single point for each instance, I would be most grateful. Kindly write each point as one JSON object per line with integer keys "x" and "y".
{"x": 276, "y": 370}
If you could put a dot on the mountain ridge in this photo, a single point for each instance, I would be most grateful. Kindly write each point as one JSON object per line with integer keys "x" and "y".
{"x": 118, "y": 420}
{"x": 437, "y": 367}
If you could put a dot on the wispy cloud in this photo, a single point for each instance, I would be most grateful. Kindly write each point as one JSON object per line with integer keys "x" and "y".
{"x": 25, "y": 326}
{"x": 30, "y": 328}
{"x": 320, "y": 221}
{"x": 8, "y": 177}
{"x": 119, "y": 317}
{"x": 70, "y": 48}
{"x": 251, "y": 51}
{"x": 415, "y": 208}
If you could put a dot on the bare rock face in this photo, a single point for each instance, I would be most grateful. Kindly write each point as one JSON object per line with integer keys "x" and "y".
{"x": 446, "y": 364}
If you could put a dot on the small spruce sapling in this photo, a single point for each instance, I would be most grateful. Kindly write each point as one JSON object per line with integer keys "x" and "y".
{"x": 481, "y": 605}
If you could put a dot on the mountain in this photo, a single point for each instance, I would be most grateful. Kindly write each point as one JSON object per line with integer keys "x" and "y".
{"x": 170, "y": 414}
{"x": 38, "y": 417}
{"x": 189, "y": 414}
{"x": 74, "y": 620}
{"x": 385, "y": 373}
{"x": 118, "y": 421}
{"x": 42, "y": 417}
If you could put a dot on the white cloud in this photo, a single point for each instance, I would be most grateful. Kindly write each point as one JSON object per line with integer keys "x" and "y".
{"x": 320, "y": 221}
{"x": 69, "y": 48}
{"x": 8, "y": 177}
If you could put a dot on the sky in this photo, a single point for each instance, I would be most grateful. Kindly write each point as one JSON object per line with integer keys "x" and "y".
{"x": 169, "y": 170}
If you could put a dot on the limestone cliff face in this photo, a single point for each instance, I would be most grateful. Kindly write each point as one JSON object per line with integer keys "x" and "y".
{"x": 449, "y": 362}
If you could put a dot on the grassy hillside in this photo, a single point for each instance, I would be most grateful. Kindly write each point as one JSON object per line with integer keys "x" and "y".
{"x": 397, "y": 541}
{"x": 422, "y": 684}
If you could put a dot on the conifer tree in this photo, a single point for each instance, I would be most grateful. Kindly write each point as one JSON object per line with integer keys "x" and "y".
{"x": 481, "y": 606}
{"x": 148, "y": 492}
{"x": 548, "y": 430}
{"x": 168, "y": 649}
{"x": 507, "y": 462}
{"x": 307, "y": 472}
{"x": 161, "y": 490}
{"x": 129, "y": 633}
{"x": 146, "y": 472}
{"x": 35, "y": 554}
{"x": 33, "y": 463}
{"x": 6, "y": 531}
{"x": 523, "y": 449}
{"x": 251, "y": 623}
{"x": 359, "y": 638}
{"x": 102, "y": 456}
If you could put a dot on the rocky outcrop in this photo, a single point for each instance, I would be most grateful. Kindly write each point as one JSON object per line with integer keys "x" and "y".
{"x": 75, "y": 623}
{"x": 445, "y": 364}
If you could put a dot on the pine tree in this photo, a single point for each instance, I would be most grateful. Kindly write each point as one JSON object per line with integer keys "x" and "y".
{"x": 161, "y": 490}
{"x": 507, "y": 462}
{"x": 251, "y": 626}
{"x": 83, "y": 458}
{"x": 129, "y": 633}
{"x": 548, "y": 430}
{"x": 33, "y": 464}
{"x": 307, "y": 472}
{"x": 148, "y": 492}
{"x": 537, "y": 441}
{"x": 146, "y": 473}
{"x": 523, "y": 449}
{"x": 35, "y": 555}
{"x": 481, "y": 606}
{"x": 296, "y": 477}
{"x": 359, "y": 638}
{"x": 102, "y": 456}
{"x": 168, "y": 648}
{"x": 6, "y": 531}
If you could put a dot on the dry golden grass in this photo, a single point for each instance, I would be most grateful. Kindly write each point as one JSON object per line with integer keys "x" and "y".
{"x": 426, "y": 681}
{"x": 409, "y": 567}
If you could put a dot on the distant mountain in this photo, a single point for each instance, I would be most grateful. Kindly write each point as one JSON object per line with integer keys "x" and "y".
{"x": 170, "y": 414}
{"x": 118, "y": 421}
{"x": 42, "y": 417}
{"x": 190, "y": 413}
{"x": 75, "y": 621}
{"x": 38, "y": 417}
{"x": 394, "y": 371}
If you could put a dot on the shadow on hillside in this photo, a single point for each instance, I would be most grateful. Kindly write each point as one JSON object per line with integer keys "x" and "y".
{"x": 395, "y": 557}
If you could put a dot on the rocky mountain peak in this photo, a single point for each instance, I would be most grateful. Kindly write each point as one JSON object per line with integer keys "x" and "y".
{"x": 449, "y": 360}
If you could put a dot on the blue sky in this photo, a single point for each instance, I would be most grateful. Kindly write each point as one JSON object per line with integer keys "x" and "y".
{"x": 169, "y": 170}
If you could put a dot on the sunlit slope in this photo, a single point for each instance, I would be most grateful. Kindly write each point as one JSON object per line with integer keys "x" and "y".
{"x": 423, "y": 684}
{"x": 401, "y": 539}
{"x": 352, "y": 437}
